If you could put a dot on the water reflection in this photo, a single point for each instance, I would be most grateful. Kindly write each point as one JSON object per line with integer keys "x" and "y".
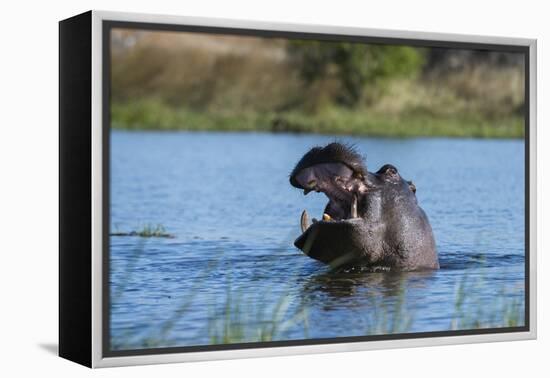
{"x": 341, "y": 284}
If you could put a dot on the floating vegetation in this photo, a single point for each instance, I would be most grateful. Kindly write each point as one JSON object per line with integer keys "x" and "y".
{"x": 147, "y": 231}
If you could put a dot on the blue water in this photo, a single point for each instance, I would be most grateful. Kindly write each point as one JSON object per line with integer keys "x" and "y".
{"x": 227, "y": 201}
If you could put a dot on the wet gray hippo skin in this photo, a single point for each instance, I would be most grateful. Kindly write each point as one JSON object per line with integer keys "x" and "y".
{"x": 372, "y": 220}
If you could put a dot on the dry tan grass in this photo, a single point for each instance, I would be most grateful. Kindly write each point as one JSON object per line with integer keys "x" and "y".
{"x": 481, "y": 89}
{"x": 203, "y": 71}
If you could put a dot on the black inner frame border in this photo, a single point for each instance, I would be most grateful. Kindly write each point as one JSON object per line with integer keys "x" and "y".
{"x": 108, "y": 25}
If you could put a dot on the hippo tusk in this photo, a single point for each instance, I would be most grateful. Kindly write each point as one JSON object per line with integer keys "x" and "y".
{"x": 304, "y": 221}
{"x": 354, "y": 207}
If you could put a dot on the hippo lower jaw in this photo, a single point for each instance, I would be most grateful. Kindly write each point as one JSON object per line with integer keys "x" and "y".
{"x": 335, "y": 242}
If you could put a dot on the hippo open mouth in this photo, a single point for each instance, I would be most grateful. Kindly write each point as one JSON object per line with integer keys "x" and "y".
{"x": 371, "y": 219}
{"x": 338, "y": 172}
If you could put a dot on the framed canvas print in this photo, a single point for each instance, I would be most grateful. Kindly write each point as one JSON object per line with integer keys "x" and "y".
{"x": 235, "y": 189}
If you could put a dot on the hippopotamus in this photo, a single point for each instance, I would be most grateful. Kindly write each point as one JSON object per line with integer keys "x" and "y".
{"x": 371, "y": 220}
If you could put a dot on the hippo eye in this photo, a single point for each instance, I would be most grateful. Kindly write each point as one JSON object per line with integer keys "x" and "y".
{"x": 388, "y": 169}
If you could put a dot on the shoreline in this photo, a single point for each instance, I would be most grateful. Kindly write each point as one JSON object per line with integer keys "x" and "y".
{"x": 276, "y": 133}
{"x": 141, "y": 116}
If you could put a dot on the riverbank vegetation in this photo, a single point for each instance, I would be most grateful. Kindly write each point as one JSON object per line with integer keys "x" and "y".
{"x": 184, "y": 81}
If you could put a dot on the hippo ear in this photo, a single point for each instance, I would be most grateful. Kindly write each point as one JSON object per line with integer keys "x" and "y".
{"x": 412, "y": 187}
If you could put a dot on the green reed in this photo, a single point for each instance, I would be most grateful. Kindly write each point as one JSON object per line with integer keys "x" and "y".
{"x": 240, "y": 318}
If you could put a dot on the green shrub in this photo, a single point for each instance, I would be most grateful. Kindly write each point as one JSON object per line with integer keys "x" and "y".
{"x": 356, "y": 67}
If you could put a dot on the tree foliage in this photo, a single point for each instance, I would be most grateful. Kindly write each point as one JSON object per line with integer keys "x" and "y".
{"x": 355, "y": 66}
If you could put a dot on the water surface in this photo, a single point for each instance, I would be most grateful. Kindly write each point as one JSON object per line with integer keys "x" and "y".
{"x": 227, "y": 200}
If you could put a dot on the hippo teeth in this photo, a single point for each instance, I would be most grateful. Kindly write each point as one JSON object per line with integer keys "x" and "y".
{"x": 304, "y": 218}
{"x": 304, "y": 221}
{"x": 354, "y": 207}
